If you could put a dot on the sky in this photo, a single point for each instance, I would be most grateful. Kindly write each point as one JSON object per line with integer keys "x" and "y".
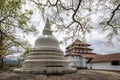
{"x": 95, "y": 38}
{"x": 100, "y": 44}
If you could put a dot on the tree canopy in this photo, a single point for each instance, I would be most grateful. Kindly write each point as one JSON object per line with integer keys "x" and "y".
{"x": 14, "y": 23}
{"x": 78, "y": 17}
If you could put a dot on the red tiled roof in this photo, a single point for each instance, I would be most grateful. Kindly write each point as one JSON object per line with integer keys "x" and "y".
{"x": 85, "y": 55}
{"x": 83, "y": 48}
{"x": 77, "y": 41}
{"x": 106, "y": 58}
{"x": 89, "y": 55}
{"x": 80, "y": 48}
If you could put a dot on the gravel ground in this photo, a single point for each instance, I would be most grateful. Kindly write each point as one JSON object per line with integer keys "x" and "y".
{"x": 79, "y": 75}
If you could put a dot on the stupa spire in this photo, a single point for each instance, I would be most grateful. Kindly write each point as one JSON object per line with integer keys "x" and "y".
{"x": 47, "y": 28}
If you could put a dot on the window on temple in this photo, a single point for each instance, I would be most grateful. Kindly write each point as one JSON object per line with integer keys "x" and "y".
{"x": 73, "y": 50}
{"x": 115, "y": 62}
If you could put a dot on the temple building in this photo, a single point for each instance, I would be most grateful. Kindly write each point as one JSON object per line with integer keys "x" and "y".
{"x": 105, "y": 62}
{"x": 79, "y": 53}
{"x": 46, "y": 57}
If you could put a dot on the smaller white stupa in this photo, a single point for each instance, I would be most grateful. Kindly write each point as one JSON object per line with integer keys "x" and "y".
{"x": 46, "y": 57}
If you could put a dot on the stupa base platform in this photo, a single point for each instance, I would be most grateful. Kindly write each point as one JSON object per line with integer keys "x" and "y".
{"x": 48, "y": 71}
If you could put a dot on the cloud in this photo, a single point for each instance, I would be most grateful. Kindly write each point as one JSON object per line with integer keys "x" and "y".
{"x": 100, "y": 45}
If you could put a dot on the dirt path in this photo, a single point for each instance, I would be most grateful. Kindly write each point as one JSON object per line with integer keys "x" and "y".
{"x": 79, "y": 75}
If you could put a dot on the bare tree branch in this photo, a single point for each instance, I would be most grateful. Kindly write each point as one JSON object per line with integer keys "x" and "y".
{"x": 75, "y": 12}
{"x": 113, "y": 14}
{"x": 81, "y": 13}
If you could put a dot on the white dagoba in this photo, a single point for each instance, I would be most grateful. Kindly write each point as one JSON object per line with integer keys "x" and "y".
{"x": 46, "y": 57}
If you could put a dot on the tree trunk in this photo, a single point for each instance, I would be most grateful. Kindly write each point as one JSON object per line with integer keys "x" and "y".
{"x": 1, "y": 49}
{"x": 1, "y": 62}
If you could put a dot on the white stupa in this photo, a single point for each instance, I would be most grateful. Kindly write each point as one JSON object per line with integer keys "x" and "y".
{"x": 46, "y": 57}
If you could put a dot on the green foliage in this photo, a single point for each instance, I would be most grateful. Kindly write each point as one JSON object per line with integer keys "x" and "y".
{"x": 27, "y": 51}
{"x": 14, "y": 22}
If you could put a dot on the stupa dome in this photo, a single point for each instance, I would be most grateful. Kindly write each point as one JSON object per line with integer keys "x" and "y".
{"x": 47, "y": 41}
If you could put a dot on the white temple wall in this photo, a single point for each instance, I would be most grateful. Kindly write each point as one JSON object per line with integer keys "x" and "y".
{"x": 77, "y": 61}
{"x": 103, "y": 66}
